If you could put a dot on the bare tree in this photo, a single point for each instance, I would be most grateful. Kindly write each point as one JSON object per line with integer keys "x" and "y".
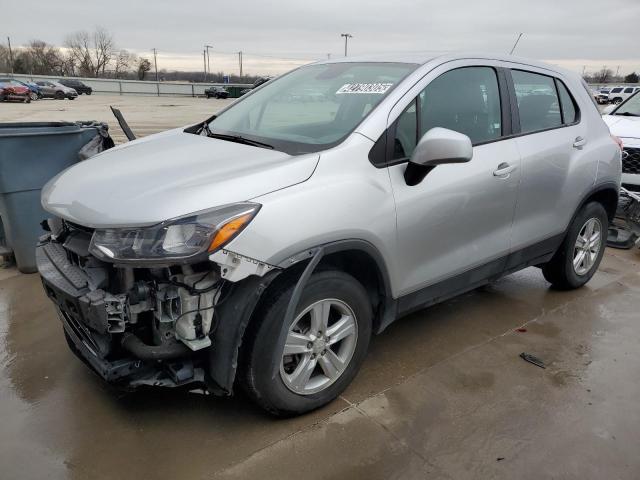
{"x": 91, "y": 52}
{"x": 144, "y": 65}
{"x": 604, "y": 76}
{"x": 123, "y": 61}
{"x": 43, "y": 59}
{"x": 5, "y": 63}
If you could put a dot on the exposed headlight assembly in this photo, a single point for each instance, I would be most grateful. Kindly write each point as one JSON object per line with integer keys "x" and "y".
{"x": 180, "y": 240}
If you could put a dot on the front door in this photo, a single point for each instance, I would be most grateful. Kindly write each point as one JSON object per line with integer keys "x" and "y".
{"x": 458, "y": 219}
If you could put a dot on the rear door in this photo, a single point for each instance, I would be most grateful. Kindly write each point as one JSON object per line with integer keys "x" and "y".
{"x": 552, "y": 141}
{"x": 459, "y": 217}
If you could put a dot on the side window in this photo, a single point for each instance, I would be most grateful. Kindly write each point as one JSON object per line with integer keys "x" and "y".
{"x": 537, "y": 101}
{"x": 466, "y": 100}
{"x": 569, "y": 112}
{"x": 628, "y": 90}
{"x": 406, "y": 136}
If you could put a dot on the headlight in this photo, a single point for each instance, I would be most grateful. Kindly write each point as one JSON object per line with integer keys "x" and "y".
{"x": 181, "y": 240}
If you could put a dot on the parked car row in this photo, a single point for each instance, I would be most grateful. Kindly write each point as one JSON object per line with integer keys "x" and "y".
{"x": 17, "y": 90}
{"x": 615, "y": 95}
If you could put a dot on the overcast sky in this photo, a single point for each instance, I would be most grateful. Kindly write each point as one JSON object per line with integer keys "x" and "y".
{"x": 276, "y": 36}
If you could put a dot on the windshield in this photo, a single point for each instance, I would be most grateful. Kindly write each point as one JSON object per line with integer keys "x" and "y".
{"x": 631, "y": 107}
{"x": 312, "y": 108}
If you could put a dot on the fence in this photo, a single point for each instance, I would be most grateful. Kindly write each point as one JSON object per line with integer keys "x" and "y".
{"x": 140, "y": 87}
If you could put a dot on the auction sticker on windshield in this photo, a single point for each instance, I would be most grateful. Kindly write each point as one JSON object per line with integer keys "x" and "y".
{"x": 364, "y": 88}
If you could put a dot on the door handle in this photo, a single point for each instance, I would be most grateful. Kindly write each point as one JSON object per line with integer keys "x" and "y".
{"x": 504, "y": 169}
{"x": 579, "y": 142}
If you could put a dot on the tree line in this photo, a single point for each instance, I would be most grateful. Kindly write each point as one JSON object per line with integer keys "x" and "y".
{"x": 92, "y": 55}
{"x": 606, "y": 75}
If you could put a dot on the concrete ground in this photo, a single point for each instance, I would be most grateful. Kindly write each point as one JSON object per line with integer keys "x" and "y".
{"x": 144, "y": 114}
{"x": 442, "y": 394}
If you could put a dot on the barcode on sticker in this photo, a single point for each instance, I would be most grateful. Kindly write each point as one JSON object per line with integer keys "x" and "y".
{"x": 364, "y": 88}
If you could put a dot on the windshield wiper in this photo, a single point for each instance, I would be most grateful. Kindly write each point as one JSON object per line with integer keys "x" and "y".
{"x": 238, "y": 139}
{"x": 627, "y": 114}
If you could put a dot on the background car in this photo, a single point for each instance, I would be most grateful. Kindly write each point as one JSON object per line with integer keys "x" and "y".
{"x": 77, "y": 85}
{"x": 620, "y": 94}
{"x": 34, "y": 89}
{"x": 216, "y": 92}
{"x": 624, "y": 122}
{"x": 56, "y": 90}
{"x": 602, "y": 96}
{"x": 14, "y": 91}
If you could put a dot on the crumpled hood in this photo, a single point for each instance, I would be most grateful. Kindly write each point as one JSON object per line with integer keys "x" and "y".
{"x": 168, "y": 175}
{"x": 623, "y": 127}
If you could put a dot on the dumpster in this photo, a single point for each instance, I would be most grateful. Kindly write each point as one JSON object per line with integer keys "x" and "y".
{"x": 30, "y": 154}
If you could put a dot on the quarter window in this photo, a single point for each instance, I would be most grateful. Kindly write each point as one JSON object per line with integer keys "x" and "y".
{"x": 538, "y": 103}
{"x": 466, "y": 100}
{"x": 569, "y": 113}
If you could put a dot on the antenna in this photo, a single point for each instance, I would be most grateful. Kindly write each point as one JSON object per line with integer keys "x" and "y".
{"x": 515, "y": 44}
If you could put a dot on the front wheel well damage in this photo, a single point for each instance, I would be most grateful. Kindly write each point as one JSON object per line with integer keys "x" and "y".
{"x": 244, "y": 316}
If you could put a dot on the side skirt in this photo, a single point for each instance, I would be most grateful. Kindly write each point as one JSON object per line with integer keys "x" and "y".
{"x": 464, "y": 282}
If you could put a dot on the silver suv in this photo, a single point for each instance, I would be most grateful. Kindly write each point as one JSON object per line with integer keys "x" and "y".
{"x": 264, "y": 246}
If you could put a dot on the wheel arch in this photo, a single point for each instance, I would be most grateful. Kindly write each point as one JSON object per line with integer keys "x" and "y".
{"x": 606, "y": 194}
{"x": 358, "y": 258}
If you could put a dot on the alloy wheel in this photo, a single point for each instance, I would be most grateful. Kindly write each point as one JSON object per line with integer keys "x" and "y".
{"x": 587, "y": 246}
{"x": 319, "y": 346}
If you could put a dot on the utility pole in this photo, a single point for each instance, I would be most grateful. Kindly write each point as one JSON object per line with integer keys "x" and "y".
{"x": 10, "y": 54}
{"x": 584, "y": 68}
{"x": 204, "y": 62}
{"x": 346, "y": 36}
{"x": 617, "y": 70}
{"x": 515, "y": 44}
{"x": 155, "y": 62}
{"x": 240, "y": 60}
{"x": 207, "y": 47}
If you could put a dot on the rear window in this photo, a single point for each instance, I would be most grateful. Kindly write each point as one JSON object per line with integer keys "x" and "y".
{"x": 538, "y": 102}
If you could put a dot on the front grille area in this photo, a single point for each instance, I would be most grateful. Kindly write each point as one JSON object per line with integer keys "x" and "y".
{"x": 631, "y": 160}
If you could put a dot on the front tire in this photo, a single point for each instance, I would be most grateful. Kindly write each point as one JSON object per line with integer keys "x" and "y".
{"x": 59, "y": 96}
{"x": 580, "y": 254}
{"x": 326, "y": 343}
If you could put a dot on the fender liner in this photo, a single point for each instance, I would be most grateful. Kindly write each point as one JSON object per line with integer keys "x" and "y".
{"x": 236, "y": 311}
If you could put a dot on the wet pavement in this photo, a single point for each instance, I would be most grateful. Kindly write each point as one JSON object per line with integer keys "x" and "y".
{"x": 443, "y": 394}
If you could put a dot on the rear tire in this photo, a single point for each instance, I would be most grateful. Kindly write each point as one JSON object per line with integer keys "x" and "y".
{"x": 346, "y": 302}
{"x": 577, "y": 260}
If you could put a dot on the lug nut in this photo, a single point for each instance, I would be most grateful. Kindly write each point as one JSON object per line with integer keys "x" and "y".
{"x": 309, "y": 345}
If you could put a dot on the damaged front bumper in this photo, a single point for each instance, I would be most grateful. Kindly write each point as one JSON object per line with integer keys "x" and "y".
{"x": 98, "y": 330}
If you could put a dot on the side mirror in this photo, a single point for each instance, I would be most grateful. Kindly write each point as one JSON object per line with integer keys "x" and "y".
{"x": 437, "y": 147}
{"x": 608, "y": 109}
{"x": 441, "y": 145}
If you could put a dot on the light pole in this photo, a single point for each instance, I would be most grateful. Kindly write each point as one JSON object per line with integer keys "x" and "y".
{"x": 346, "y": 36}
{"x": 240, "y": 60}
{"x": 155, "y": 62}
{"x": 208, "y": 64}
